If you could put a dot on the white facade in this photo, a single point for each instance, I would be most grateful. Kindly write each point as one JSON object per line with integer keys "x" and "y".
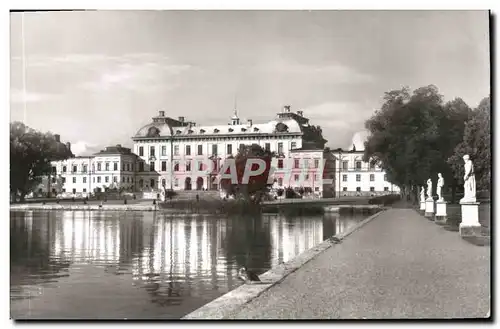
{"x": 357, "y": 177}
{"x": 172, "y": 150}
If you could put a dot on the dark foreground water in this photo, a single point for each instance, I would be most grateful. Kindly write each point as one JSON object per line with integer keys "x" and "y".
{"x": 102, "y": 265}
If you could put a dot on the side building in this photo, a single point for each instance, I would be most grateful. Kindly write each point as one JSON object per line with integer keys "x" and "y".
{"x": 356, "y": 177}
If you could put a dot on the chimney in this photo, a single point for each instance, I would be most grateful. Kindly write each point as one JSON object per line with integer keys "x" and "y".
{"x": 300, "y": 113}
{"x": 68, "y": 145}
{"x": 57, "y": 137}
{"x": 250, "y": 122}
{"x": 181, "y": 119}
{"x": 162, "y": 113}
{"x": 286, "y": 108}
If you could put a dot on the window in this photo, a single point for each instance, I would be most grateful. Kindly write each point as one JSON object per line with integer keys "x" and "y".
{"x": 123, "y": 167}
{"x": 280, "y": 148}
{"x": 200, "y": 165}
{"x": 84, "y": 190}
{"x": 164, "y": 166}
{"x": 74, "y": 168}
{"x": 188, "y": 149}
{"x": 163, "y": 182}
{"x": 152, "y": 183}
{"x": 280, "y": 181}
{"x": 386, "y": 189}
{"x": 176, "y": 182}
{"x": 141, "y": 183}
{"x": 358, "y": 164}
{"x": 152, "y": 166}
{"x": 107, "y": 166}
{"x": 93, "y": 179}
{"x": 141, "y": 151}
{"x": 64, "y": 169}
{"x": 123, "y": 179}
{"x": 151, "y": 151}
{"x": 115, "y": 179}
{"x": 316, "y": 177}
{"x": 141, "y": 166}
{"x": 307, "y": 177}
{"x": 306, "y": 163}
{"x": 74, "y": 179}
{"x": 296, "y": 177}
{"x": 267, "y": 147}
{"x": 64, "y": 190}
{"x": 345, "y": 165}
{"x": 98, "y": 179}
{"x": 93, "y": 167}
{"x": 358, "y": 178}
{"x": 241, "y": 146}
{"x": 63, "y": 180}
{"x": 53, "y": 180}
{"x": 176, "y": 166}
{"x": 316, "y": 189}
{"x": 85, "y": 179}
{"x": 344, "y": 178}
{"x": 296, "y": 163}
{"x": 385, "y": 178}
{"x": 74, "y": 190}
{"x": 128, "y": 166}
{"x": 316, "y": 163}
{"x": 229, "y": 148}
{"x": 372, "y": 189}
{"x": 358, "y": 189}
{"x": 106, "y": 179}
{"x": 163, "y": 150}
{"x": 128, "y": 179}
{"x": 188, "y": 165}
{"x": 132, "y": 167}
{"x": 200, "y": 149}
{"x": 85, "y": 168}
{"x": 54, "y": 170}
{"x": 280, "y": 163}
{"x": 344, "y": 189}
{"x": 98, "y": 166}
{"x": 372, "y": 177}
{"x": 214, "y": 149}
{"x": 176, "y": 149}
{"x": 115, "y": 166}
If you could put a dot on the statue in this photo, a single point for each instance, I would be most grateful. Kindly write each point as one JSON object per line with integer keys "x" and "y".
{"x": 440, "y": 184}
{"x": 422, "y": 194}
{"x": 429, "y": 189}
{"x": 469, "y": 181}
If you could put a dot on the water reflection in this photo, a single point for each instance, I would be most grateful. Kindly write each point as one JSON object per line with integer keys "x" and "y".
{"x": 78, "y": 264}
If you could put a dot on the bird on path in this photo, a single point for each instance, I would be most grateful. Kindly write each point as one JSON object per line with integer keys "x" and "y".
{"x": 248, "y": 276}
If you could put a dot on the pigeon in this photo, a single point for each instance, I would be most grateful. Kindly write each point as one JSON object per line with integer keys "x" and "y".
{"x": 248, "y": 276}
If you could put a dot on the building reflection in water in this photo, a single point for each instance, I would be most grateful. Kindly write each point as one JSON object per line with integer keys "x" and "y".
{"x": 177, "y": 261}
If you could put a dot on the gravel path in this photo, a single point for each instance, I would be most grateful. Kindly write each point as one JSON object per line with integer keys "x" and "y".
{"x": 400, "y": 265}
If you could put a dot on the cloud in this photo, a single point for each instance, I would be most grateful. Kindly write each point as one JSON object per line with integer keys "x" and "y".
{"x": 17, "y": 96}
{"x": 82, "y": 148}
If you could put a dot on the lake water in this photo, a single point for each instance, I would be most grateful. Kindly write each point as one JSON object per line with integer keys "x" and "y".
{"x": 116, "y": 265}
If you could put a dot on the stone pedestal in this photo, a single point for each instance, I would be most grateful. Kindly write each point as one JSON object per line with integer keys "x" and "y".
{"x": 422, "y": 205}
{"x": 470, "y": 219}
{"x": 441, "y": 212}
{"x": 429, "y": 209}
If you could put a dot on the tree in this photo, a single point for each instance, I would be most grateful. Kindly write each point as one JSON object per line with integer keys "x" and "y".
{"x": 413, "y": 134}
{"x": 257, "y": 185}
{"x": 476, "y": 142}
{"x": 31, "y": 153}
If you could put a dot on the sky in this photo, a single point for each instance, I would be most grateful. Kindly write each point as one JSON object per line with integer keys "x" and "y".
{"x": 96, "y": 77}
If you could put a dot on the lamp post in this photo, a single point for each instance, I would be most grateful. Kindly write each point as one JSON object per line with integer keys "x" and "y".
{"x": 339, "y": 150}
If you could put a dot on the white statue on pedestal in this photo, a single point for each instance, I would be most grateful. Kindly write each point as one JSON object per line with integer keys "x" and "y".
{"x": 440, "y": 184}
{"x": 469, "y": 181}
{"x": 429, "y": 189}
{"x": 422, "y": 194}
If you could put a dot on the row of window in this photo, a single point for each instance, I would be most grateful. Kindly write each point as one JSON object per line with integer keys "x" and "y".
{"x": 358, "y": 189}
{"x": 106, "y": 179}
{"x": 358, "y": 178}
{"x": 125, "y": 167}
{"x": 358, "y": 165}
{"x": 187, "y": 149}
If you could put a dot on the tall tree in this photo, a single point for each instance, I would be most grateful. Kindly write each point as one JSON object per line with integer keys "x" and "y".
{"x": 257, "y": 185}
{"x": 31, "y": 152}
{"x": 476, "y": 142}
{"x": 413, "y": 134}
